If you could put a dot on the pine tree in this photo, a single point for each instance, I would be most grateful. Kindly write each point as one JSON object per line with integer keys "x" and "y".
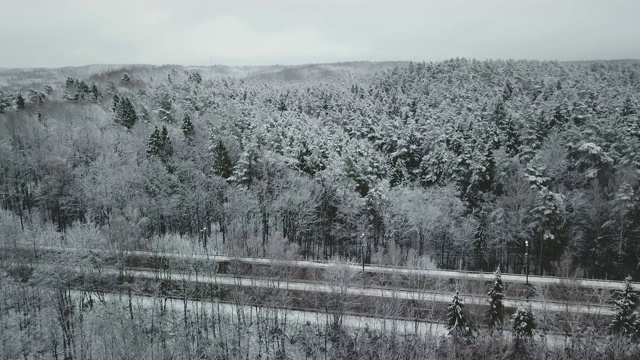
{"x": 5, "y": 102}
{"x": 154, "y": 143}
{"x": 130, "y": 116}
{"x": 166, "y": 149}
{"x": 457, "y": 321}
{"x": 125, "y": 113}
{"x": 119, "y": 116}
{"x": 187, "y": 126}
{"x": 244, "y": 170}
{"x": 547, "y": 220}
{"x": 115, "y": 102}
{"x": 95, "y": 93}
{"x": 513, "y": 142}
{"x": 625, "y": 321}
{"x": 495, "y": 314}
{"x": 69, "y": 83}
{"x": 83, "y": 90}
{"x": 195, "y": 77}
{"x": 222, "y": 165}
{"x": 20, "y": 103}
{"x": 524, "y": 324}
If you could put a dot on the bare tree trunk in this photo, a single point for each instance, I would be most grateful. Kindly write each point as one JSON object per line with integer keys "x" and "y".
{"x": 65, "y": 318}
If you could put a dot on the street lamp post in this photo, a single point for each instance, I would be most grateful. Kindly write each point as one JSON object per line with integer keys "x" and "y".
{"x": 364, "y": 278}
{"x": 526, "y": 259}
{"x": 362, "y": 244}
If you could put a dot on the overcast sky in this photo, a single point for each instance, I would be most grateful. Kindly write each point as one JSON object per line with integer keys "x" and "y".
{"x": 36, "y": 33}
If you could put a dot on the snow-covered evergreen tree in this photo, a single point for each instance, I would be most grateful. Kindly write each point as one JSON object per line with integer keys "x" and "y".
{"x": 125, "y": 113}
{"x": 166, "y": 149}
{"x": 222, "y": 165}
{"x": 5, "y": 102}
{"x": 246, "y": 167}
{"x": 187, "y": 126}
{"x": 495, "y": 314}
{"x": 195, "y": 77}
{"x": 457, "y": 321}
{"x": 115, "y": 102}
{"x": 154, "y": 143}
{"x": 625, "y": 320}
{"x": 524, "y": 324}
{"x": 20, "y": 103}
{"x": 164, "y": 105}
{"x": 130, "y": 114}
{"x": 95, "y": 93}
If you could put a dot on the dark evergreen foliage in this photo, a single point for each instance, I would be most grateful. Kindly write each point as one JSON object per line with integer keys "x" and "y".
{"x": 222, "y": 165}
{"x": 495, "y": 314}
{"x": 187, "y": 126}
{"x": 626, "y": 321}
{"x": 20, "y": 102}
{"x": 125, "y": 113}
{"x": 457, "y": 323}
{"x": 159, "y": 145}
{"x": 154, "y": 143}
{"x": 195, "y": 77}
{"x": 460, "y": 134}
{"x": 524, "y": 324}
{"x": 5, "y": 102}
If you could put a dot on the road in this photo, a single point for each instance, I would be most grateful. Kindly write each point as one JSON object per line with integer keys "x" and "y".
{"x": 448, "y": 274}
{"x": 340, "y": 288}
{"x": 301, "y": 317}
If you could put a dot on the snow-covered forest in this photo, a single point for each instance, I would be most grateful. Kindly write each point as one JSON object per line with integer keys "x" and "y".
{"x": 460, "y": 164}
{"x": 455, "y": 164}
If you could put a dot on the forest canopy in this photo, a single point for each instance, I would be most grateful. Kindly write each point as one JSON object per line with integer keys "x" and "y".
{"x": 457, "y": 163}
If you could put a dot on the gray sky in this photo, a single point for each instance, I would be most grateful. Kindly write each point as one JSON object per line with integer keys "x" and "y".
{"x": 36, "y": 33}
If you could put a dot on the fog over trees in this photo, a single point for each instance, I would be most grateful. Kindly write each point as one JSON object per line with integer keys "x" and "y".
{"x": 460, "y": 164}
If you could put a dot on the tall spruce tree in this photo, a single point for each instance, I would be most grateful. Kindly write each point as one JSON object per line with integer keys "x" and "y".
{"x": 115, "y": 102}
{"x": 154, "y": 143}
{"x": 495, "y": 314}
{"x": 125, "y": 113}
{"x": 222, "y": 165}
{"x": 130, "y": 114}
{"x": 187, "y": 126}
{"x": 5, "y": 103}
{"x": 166, "y": 149}
{"x": 625, "y": 321}
{"x": 69, "y": 83}
{"x": 20, "y": 103}
{"x": 95, "y": 93}
{"x": 524, "y": 324}
{"x": 457, "y": 321}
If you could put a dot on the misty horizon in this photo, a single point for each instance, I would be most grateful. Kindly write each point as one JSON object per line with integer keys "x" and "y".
{"x": 251, "y": 33}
